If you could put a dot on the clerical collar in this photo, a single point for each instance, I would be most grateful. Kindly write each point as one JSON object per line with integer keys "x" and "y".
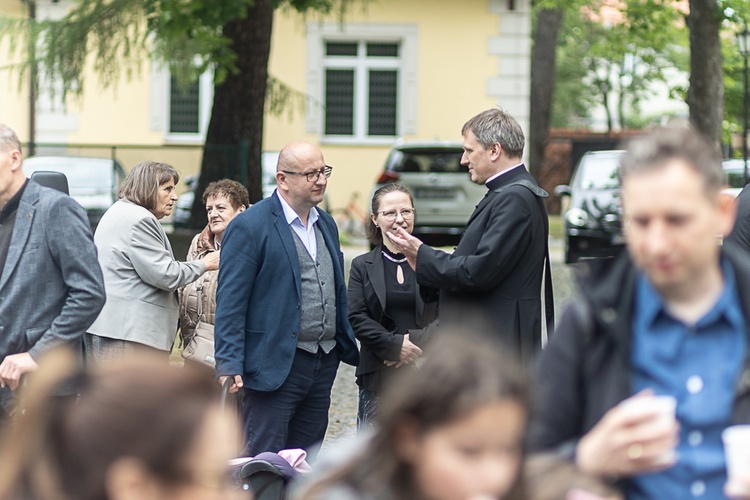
{"x": 487, "y": 183}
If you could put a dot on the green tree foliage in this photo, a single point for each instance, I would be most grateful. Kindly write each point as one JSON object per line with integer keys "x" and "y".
{"x": 614, "y": 60}
{"x": 737, "y": 16}
{"x": 232, "y": 37}
{"x": 186, "y": 35}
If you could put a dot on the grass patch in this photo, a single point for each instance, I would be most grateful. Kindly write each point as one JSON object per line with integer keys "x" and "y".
{"x": 555, "y": 226}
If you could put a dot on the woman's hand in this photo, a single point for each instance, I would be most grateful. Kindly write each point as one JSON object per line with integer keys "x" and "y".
{"x": 409, "y": 353}
{"x": 211, "y": 261}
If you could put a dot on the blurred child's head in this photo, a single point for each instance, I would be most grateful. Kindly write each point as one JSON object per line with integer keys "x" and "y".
{"x": 139, "y": 429}
{"x": 456, "y": 425}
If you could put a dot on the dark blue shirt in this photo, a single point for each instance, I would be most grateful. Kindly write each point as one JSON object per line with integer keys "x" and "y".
{"x": 697, "y": 364}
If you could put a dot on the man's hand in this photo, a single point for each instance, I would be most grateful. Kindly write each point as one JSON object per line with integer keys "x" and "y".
{"x": 236, "y": 383}
{"x": 13, "y": 367}
{"x": 406, "y": 244}
{"x": 625, "y": 443}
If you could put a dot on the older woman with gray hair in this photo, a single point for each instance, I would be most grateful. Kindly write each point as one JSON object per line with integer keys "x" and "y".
{"x": 141, "y": 274}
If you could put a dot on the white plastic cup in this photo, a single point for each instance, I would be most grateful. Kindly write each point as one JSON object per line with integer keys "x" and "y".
{"x": 661, "y": 407}
{"x": 737, "y": 452}
{"x": 663, "y": 410}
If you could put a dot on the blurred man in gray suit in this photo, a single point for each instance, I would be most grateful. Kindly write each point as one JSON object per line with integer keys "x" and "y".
{"x": 51, "y": 286}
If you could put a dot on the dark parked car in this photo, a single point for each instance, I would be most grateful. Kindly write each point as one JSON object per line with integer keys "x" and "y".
{"x": 92, "y": 182}
{"x": 444, "y": 196}
{"x": 734, "y": 175}
{"x": 592, "y": 223}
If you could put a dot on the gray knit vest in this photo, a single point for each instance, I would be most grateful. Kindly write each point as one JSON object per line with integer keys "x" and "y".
{"x": 318, "y": 320}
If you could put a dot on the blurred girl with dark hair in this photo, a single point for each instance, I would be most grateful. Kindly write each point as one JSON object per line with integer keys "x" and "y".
{"x": 451, "y": 430}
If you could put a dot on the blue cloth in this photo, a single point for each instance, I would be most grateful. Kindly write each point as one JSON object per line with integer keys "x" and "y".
{"x": 698, "y": 365}
{"x": 296, "y": 414}
{"x": 258, "y": 299}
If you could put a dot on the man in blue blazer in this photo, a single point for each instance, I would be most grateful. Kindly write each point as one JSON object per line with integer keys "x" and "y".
{"x": 281, "y": 317}
{"x": 51, "y": 286}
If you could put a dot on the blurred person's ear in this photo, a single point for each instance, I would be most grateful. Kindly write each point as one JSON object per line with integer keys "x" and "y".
{"x": 727, "y": 213}
{"x": 407, "y": 440}
{"x": 128, "y": 479}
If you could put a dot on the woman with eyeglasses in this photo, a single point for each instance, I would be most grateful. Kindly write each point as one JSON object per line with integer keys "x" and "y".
{"x": 388, "y": 310}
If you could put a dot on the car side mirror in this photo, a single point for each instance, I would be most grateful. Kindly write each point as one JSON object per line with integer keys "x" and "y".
{"x": 562, "y": 190}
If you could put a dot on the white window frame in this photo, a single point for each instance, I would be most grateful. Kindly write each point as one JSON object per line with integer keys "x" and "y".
{"x": 405, "y": 35}
{"x": 160, "y": 105}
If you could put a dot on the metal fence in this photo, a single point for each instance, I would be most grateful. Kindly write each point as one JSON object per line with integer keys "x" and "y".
{"x": 230, "y": 159}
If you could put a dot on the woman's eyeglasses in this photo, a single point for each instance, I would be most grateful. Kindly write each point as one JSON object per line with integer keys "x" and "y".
{"x": 406, "y": 213}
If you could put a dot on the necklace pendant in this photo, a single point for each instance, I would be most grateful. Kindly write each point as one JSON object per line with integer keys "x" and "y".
{"x": 399, "y": 275}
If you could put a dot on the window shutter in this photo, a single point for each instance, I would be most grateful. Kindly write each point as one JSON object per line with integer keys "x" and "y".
{"x": 339, "y": 112}
{"x": 383, "y": 102}
{"x": 184, "y": 107}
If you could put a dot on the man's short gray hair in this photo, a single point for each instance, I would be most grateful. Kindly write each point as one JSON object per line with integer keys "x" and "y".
{"x": 653, "y": 151}
{"x": 8, "y": 139}
{"x": 495, "y": 126}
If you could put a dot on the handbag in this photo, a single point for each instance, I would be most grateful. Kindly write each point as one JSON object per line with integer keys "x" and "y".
{"x": 201, "y": 345}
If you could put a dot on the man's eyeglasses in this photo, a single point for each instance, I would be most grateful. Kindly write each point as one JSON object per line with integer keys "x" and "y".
{"x": 314, "y": 175}
{"x": 406, "y": 213}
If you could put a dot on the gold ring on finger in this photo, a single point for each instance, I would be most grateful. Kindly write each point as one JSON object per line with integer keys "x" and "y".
{"x": 635, "y": 451}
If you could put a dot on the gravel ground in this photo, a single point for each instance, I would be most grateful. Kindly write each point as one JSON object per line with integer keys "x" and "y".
{"x": 343, "y": 414}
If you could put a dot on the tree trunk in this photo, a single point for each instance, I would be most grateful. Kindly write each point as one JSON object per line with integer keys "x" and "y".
{"x": 621, "y": 96}
{"x": 543, "y": 67}
{"x": 238, "y": 109}
{"x": 706, "y": 93}
{"x": 604, "y": 90}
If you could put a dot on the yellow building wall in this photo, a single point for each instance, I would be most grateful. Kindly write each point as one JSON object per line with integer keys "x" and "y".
{"x": 453, "y": 67}
{"x": 119, "y": 113}
{"x": 14, "y": 94}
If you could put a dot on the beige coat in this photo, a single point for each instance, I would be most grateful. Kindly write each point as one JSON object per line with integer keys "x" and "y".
{"x": 203, "y": 289}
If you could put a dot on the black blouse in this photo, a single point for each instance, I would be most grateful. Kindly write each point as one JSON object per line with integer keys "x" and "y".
{"x": 400, "y": 306}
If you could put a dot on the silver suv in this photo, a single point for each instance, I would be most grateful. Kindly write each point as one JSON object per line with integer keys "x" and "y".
{"x": 444, "y": 195}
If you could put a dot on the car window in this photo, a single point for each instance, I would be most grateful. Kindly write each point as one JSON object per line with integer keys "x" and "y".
{"x": 427, "y": 160}
{"x": 599, "y": 172}
{"x": 734, "y": 174}
{"x": 87, "y": 175}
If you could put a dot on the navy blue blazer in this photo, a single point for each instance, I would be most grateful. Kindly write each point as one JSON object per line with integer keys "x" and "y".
{"x": 258, "y": 297}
